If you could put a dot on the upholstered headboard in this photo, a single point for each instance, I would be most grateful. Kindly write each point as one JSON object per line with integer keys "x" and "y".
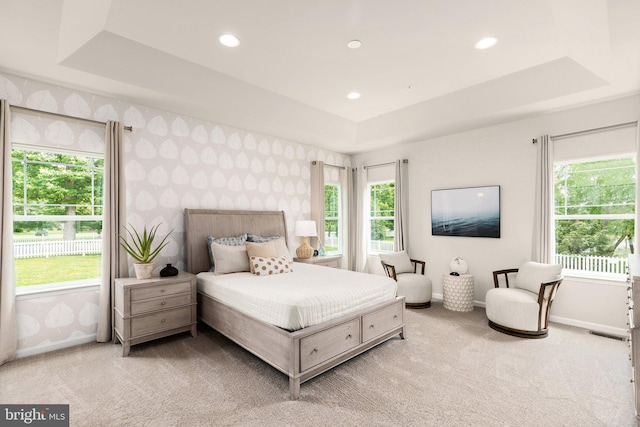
{"x": 201, "y": 223}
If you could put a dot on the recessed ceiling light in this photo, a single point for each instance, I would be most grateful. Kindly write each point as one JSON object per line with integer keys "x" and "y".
{"x": 354, "y": 44}
{"x": 229, "y": 40}
{"x": 486, "y": 42}
{"x": 353, "y": 95}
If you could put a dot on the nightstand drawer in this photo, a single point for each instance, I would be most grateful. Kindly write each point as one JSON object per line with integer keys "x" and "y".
{"x": 160, "y": 290}
{"x": 154, "y": 304}
{"x": 160, "y": 321}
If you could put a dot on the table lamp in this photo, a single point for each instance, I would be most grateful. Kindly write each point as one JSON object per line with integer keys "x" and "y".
{"x": 305, "y": 229}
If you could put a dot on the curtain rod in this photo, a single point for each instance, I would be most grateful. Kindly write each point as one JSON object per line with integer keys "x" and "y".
{"x": 17, "y": 107}
{"x": 384, "y": 164}
{"x": 315, "y": 162}
{"x": 582, "y": 132}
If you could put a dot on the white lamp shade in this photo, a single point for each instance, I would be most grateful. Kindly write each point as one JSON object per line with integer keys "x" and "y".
{"x": 305, "y": 229}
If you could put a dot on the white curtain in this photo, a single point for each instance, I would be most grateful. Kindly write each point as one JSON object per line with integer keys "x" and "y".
{"x": 346, "y": 184}
{"x": 542, "y": 248}
{"x": 362, "y": 219}
{"x": 317, "y": 201}
{"x": 114, "y": 259}
{"x": 8, "y": 327}
{"x": 401, "y": 232}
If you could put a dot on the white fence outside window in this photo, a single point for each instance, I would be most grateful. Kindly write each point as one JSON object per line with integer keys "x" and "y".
{"x": 593, "y": 264}
{"x": 56, "y": 247}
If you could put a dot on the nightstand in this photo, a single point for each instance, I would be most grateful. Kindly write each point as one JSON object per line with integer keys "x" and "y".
{"x": 326, "y": 261}
{"x": 148, "y": 309}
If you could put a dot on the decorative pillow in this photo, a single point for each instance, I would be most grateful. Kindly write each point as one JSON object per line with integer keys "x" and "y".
{"x": 532, "y": 274}
{"x": 264, "y": 250}
{"x": 400, "y": 260}
{"x": 281, "y": 248}
{"x": 229, "y": 259}
{"x": 227, "y": 241}
{"x": 259, "y": 239}
{"x": 263, "y": 266}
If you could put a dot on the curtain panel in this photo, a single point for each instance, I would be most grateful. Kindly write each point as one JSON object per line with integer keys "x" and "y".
{"x": 362, "y": 219}
{"x": 542, "y": 243}
{"x": 317, "y": 201}
{"x": 8, "y": 326}
{"x": 114, "y": 258}
{"x": 346, "y": 183}
{"x": 401, "y": 231}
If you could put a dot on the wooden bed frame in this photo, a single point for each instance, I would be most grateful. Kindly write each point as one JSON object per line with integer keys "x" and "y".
{"x": 301, "y": 354}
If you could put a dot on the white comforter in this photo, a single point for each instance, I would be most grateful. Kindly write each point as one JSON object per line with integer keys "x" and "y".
{"x": 309, "y": 295}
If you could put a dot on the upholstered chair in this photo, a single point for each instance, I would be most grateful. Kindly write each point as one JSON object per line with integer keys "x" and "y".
{"x": 523, "y": 309}
{"x": 412, "y": 284}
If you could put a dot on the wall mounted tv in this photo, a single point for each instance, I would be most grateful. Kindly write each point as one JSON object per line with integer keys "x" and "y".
{"x": 468, "y": 212}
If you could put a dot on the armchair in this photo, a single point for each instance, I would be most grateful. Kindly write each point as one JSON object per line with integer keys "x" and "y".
{"x": 523, "y": 310}
{"x": 413, "y": 285}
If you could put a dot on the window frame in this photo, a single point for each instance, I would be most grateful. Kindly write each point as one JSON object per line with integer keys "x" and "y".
{"x": 339, "y": 218}
{"x": 589, "y": 216}
{"x": 24, "y": 203}
{"x": 371, "y": 218}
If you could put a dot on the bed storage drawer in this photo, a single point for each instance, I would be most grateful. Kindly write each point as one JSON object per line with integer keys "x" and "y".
{"x": 324, "y": 345}
{"x": 381, "y": 321}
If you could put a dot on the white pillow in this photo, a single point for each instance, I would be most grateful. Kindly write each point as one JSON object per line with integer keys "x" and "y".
{"x": 229, "y": 259}
{"x": 281, "y": 248}
{"x": 400, "y": 261}
{"x": 532, "y": 274}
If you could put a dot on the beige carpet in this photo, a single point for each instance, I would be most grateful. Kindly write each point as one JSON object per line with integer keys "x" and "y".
{"x": 451, "y": 370}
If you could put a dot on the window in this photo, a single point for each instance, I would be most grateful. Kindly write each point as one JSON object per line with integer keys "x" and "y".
{"x": 594, "y": 214}
{"x": 381, "y": 216}
{"x": 332, "y": 219}
{"x": 57, "y": 208}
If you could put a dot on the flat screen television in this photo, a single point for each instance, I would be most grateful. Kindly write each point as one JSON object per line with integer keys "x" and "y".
{"x": 467, "y": 212}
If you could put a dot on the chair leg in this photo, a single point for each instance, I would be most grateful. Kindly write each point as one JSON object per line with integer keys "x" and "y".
{"x": 418, "y": 304}
{"x": 519, "y": 333}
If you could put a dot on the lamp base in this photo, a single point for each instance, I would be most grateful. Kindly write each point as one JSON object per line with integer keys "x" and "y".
{"x": 305, "y": 251}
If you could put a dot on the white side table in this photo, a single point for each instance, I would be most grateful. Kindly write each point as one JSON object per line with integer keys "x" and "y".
{"x": 458, "y": 292}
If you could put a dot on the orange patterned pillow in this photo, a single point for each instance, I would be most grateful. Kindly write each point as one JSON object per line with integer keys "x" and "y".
{"x": 265, "y": 266}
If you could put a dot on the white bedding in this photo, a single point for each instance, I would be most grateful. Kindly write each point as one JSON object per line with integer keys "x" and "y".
{"x": 309, "y": 295}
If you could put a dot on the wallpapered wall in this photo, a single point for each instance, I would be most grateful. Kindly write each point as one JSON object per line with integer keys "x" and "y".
{"x": 172, "y": 162}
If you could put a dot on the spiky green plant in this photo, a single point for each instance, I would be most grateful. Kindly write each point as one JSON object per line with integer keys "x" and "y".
{"x": 140, "y": 248}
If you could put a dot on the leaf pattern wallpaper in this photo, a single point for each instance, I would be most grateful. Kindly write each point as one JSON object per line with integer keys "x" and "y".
{"x": 172, "y": 162}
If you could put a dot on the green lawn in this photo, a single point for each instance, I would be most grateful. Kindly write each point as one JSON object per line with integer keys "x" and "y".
{"x": 37, "y": 271}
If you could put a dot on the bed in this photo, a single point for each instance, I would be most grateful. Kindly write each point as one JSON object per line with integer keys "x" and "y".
{"x": 300, "y": 354}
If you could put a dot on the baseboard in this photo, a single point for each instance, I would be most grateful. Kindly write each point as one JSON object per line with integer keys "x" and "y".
{"x": 611, "y": 330}
{"x": 56, "y": 346}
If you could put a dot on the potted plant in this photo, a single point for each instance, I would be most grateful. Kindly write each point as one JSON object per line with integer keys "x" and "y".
{"x": 141, "y": 249}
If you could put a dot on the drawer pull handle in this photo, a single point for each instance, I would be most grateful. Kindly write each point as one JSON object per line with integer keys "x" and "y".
{"x": 162, "y": 303}
{"x": 161, "y": 290}
{"x": 162, "y": 321}
{"x": 315, "y": 350}
{"x": 349, "y": 336}
{"x": 371, "y": 326}
{"x": 395, "y": 316}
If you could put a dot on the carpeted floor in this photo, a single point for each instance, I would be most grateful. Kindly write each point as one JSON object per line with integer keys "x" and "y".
{"x": 451, "y": 370}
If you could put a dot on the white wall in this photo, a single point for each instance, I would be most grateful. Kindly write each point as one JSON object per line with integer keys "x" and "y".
{"x": 504, "y": 155}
